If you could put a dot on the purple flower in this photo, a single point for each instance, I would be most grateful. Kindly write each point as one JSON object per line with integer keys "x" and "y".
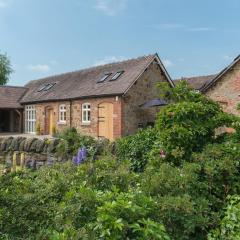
{"x": 81, "y": 156}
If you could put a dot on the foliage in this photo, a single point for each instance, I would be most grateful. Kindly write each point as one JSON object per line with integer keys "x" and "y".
{"x": 136, "y": 148}
{"x": 238, "y": 106}
{"x": 5, "y": 69}
{"x": 230, "y": 224}
{"x": 182, "y": 92}
{"x": 183, "y": 173}
{"x": 188, "y": 125}
{"x": 71, "y": 141}
{"x": 67, "y": 202}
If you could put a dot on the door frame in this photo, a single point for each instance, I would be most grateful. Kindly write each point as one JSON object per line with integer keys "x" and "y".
{"x": 99, "y": 119}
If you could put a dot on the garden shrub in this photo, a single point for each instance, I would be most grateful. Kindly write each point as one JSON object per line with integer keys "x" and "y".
{"x": 187, "y": 124}
{"x": 71, "y": 141}
{"x": 136, "y": 148}
{"x": 230, "y": 224}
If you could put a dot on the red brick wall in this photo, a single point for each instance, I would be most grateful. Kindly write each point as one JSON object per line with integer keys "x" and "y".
{"x": 92, "y": 129}
{"x": 227, "y": 90}
{"x": 76, "y": 115}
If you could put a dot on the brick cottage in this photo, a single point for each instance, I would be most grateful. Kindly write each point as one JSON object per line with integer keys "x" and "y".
{"x": 103, "y": 101}
{"x": 223, "y": 87}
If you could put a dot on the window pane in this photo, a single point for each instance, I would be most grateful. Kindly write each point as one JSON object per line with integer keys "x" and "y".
{"x": 117, "y": 75}
{"x": 89, "y": 116}
{"x": 104, "y": 77}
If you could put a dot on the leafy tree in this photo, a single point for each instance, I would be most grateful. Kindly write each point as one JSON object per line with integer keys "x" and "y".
{"x": 5, "y": 69}
{"x": 188, "y": 123}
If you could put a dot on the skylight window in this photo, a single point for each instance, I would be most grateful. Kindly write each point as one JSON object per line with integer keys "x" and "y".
{"x": 117, "y": 75}
{"x": 104, "y": 77}
{"x": 46, "y": 87}
{"x": 49, "y": 86}
{"x": 41, "y": 88}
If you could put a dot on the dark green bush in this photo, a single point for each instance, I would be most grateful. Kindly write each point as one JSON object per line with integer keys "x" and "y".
{"x": 230, "y": 224}
{"x": 136, "y": 148}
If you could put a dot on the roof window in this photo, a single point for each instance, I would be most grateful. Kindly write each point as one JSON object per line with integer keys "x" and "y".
{"x": 104, "y": 77}
{"x": 41, "y": 88}
{"x": 117, "y": 75}
{"x": 46, "y": 87}
{"x": 49, "y": 86}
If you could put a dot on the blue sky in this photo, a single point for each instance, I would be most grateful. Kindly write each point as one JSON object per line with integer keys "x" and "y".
{"x": 47, "y": 37}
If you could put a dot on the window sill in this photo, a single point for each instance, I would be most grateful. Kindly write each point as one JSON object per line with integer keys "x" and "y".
{"x": 86, "y": 124}
{"x": 62, "y": 123}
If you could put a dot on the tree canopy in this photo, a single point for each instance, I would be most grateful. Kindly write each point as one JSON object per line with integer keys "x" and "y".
{"x": 5, "y": 69}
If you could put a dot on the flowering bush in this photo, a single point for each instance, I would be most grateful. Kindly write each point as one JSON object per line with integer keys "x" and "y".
{"x": 71, "y": 141}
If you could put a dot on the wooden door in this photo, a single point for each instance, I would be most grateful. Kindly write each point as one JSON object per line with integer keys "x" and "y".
{"x": 49, "y": 121}
{"x": 105, "y": 120}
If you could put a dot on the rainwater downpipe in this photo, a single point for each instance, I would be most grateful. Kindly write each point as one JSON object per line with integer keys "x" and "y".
{"x": 70, "y": 114}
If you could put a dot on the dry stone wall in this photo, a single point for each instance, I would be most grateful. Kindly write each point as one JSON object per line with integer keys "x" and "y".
{"x": 23, "y": 152}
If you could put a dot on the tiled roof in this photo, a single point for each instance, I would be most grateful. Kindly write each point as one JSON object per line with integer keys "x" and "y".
{"x": 10, "y": 96}
{"x": 197, "y": 82}
{"x": 84, "y": 83}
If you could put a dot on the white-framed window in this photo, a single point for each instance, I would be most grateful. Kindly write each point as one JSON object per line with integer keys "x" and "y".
{"x": 86, "y": 113}
{"x": 62, "y": 113}
{"x": 30, "y": 119}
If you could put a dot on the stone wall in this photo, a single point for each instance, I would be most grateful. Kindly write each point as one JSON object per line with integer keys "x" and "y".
{"x": 74, "y": 117}
{"x": 23, "y": 152}
{"x": 92, "y": 128}
{"x": 227, "y": 90}
{"x": 142, "y": 91}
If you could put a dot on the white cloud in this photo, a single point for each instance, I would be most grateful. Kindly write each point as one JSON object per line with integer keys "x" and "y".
{"x": 110, "y": 7}
{"x": 167, "y": 63}
{"x": 109, "y": 59}
{"x": 43, "y": 68}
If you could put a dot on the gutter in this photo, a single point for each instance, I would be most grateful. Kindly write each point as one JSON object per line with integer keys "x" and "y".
{"x": 72, "y": 99}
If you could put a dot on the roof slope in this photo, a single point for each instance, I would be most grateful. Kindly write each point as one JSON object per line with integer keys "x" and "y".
{"x": 197, "y": 82}
{"x": 218, "y": 76}
{"x": 84, "y": 83}
{"x": 10, "y": 96}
